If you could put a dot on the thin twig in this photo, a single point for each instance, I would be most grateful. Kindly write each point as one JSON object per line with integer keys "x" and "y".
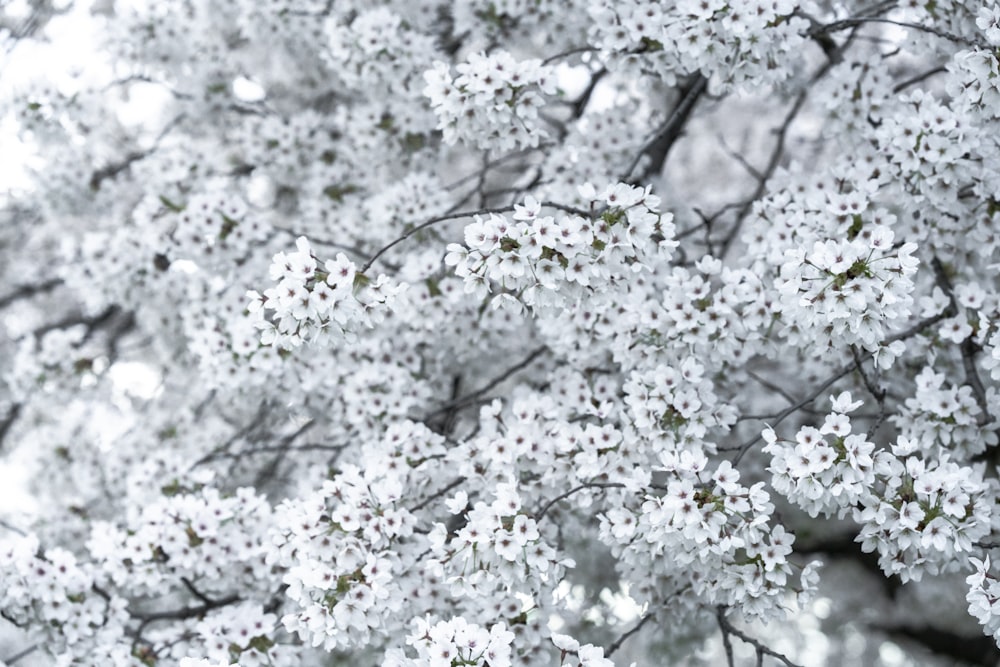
{"x": 967, "y": 348}
{"x": 772, "y": 164}
{"x": 18, "y": 656}
{"x": 437, "y": 494}
{"x": 621, "y": 640}
{"x": 563, "y": 496}
{"x": 474, "y": 396}
{"x": 25, "y": 291}
{"x": 456, "y": 216}
{"x": 762, "y": 650}
{"x": 852, "y": 22}
{"x": 745, "y": 447}
{"x": 903, "y": 85}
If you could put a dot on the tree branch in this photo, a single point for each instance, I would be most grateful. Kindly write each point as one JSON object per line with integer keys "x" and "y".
{"x": 27, "y": 291}
{"x": 563, "y": 496}
{"x": 474, "y": 396}
{"x": 781, "y": 416}
{"x": 621, "y": 640}
{"x": 968, "y": 348}
{"x": 456, "y": 216}
{"x": 762, "y": 650}
{"x": 18, "y": 656}
{"x": 659, "y": 145}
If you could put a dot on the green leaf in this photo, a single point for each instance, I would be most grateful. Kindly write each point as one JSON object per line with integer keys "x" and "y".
{"x": 338, "y": 192}
{"x": 228, "y": 225}
{"x": 176, "y": 208}
{"x": 261, "y": 643}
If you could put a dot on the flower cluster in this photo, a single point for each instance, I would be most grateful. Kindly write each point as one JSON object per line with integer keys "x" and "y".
{"x": 493, "y": 103}
{"x": 735, "y": 42}
{"x": 587, "y": 655}
{"x": 942, "y": 417}
{"x": 498, "y": 546}
{"x": 928, "y": 513}
{"x": 379, "y": 45}
{"x": 849, "y": 290}
{"x": 717, "y": 534}
{"x": 544, "y": 260}
{"x": 916, "y": 512}
{"x": 983, "y": 597}
{"x": 338, "y": 544}
{"x": 716, "y": 314}
{"x": 242, "y": 631}
{"x": 208, "y": 228}
{"x": 829, "y": 469}
{"x": 675, "y": 407}
{"x": 455, "y": 642}
{"x": 204, "y": 662}
{"x": 547, "y": 480}
{"x": 50, "y": 589}
{"x": 198, "y": 535}
{"x": 309, "y": 303}
{"x": 285, "y": 149}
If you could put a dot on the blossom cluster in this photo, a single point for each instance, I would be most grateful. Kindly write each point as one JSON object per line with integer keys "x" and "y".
{"x": 786, "y": 192}
{"x": 197, "y": 534}
{"x": 550, "y": 261}
{"x": 826, "y": 470}
{"x": 712, "y": 309}
{"x": 493, "y": 103}
{"x": 849, "y": 290}
{"x": 336, "y": 545}
{"x": 499, "y": 547}
{"x": 916, "y": 512}
{"x": 929, "y": 514}
{"x": 733, "y": 42}
{"x": 309, "y": 303}
{"x": 718, "y": 536}
{"x": 984, "y": 593}
{"x": 455, "y": 642}
{"x": 240, "y": 632}
{"x": 942, "y": 417}
{"x": 676, "y": 406}
{"x": 378, "y": 45}
{"x": 51, "y": 590}
{"x": 207, "y": 228}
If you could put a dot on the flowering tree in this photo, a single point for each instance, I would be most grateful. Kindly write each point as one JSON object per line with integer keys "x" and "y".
{"x": 511, "y": 333}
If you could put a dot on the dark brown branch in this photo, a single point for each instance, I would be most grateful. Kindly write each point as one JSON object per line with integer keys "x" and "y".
{"x": 659, "y": 145}
{"x": 474, "y": 396}
{"x": 27, "y": 291}
{"x": 871, "y": 383}
{"x": 457, "y": 216}
{"x": 8, "y": 421}
{"x": 919, "y": 326}
{"x": 762, "y": 650}
{"x": 18, "y": 656}
{"x": 621, "y": 640}
{"x": 112, "y": 170}
{"x": 563, "y": 496}
{"x": 437, "y": 494}
{"x": 570, "y": 52}
{"x": 968, "y": 347}
{"x": 267, "y": 471}
{"x": 978, "y": 650}
{"x": 781, "y": 416}
{"x": 903, "y": 85}
{"x": 184, "y": 613}
{"x": 852, "y": 22}
{"x": 580, "y": 105}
